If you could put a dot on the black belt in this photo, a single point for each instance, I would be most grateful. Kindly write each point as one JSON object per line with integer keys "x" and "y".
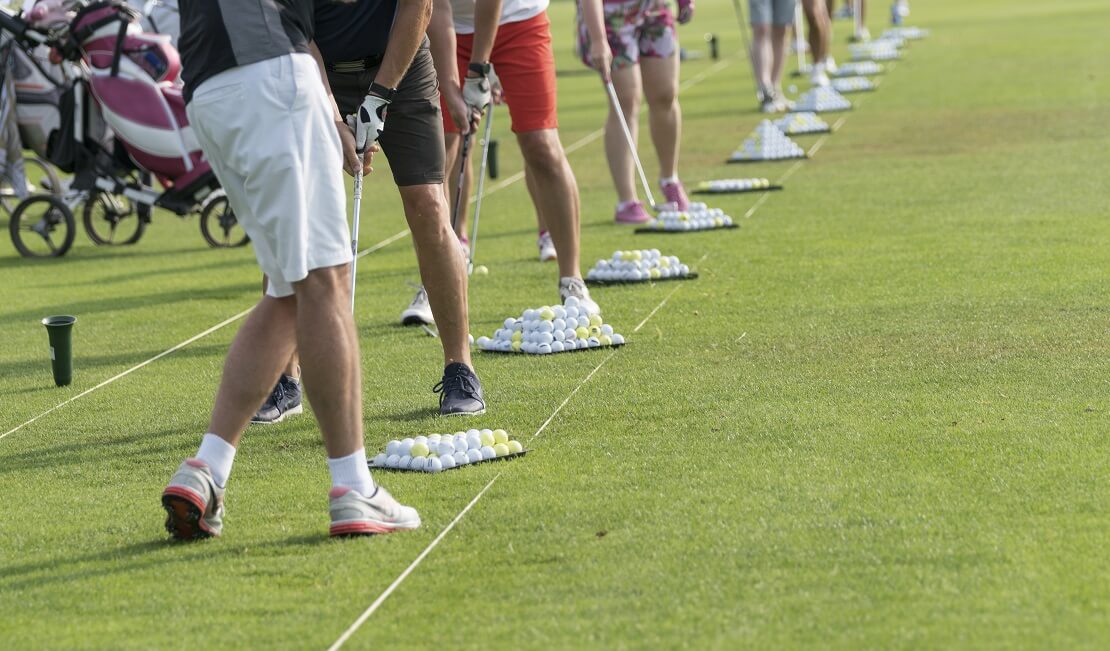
{"x": 358, "y": 65}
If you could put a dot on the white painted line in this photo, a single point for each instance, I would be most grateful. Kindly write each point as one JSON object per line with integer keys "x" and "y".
{"x": 380, "y": 245}
{"x": 373, "y": 607}
{"x": 133, "y": 369}
{"x": 817, "y": 145}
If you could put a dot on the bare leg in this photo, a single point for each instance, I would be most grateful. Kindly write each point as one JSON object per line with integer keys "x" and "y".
{"x": 442, "y": 268}
{"x": 530, "y": 184}
{"x": 328, "y": 341}
{"x": 627, "y": 82}
{"x": 293, "y": 367}
{"x": 780, "y": 40}
{"x": 820, "y": 28}
{"x": 664, "y": 113}
{"x": 762, "y": 56}
{"x": 261, "y": 347}
{"x": 555, "y": 193}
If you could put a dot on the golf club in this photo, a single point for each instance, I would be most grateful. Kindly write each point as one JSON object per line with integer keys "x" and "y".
{"x": 481, "y": 189}
{"x": 354, "y": 233}
{"x": 464, "y": 159}
{"x": 747, "y": 42}
{"x": 631, "y": 145}
{"x": 857, "y": 18}
{"x": 800, "y": 38}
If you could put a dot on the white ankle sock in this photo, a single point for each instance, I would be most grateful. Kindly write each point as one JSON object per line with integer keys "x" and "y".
{"x": 351, "y": 471}
{"x": 219, "y": 455}
{"x": 621, "y": 205}
{"x": 669, "y": 179}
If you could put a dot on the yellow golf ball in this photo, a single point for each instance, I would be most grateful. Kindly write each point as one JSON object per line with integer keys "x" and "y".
{"x": 419, "y": 450}
{"x": 500, "y": 449}
{"x": 500, "y": 436}
{"x": 547, "y": 313}
{"x": 515, "y": 447}
{"x": 605, "y": 340}
{"x": 515, "y": 346}
{"x": 582, "y": 332}
{"x": 595, "y": 320}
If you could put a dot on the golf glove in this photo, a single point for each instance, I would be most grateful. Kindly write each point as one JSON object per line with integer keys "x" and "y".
{"x": 476, "y": 92}
{"x": 369, "y": 122}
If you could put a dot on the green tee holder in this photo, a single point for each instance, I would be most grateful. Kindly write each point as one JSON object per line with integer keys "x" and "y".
{"x": 60, "y": 331}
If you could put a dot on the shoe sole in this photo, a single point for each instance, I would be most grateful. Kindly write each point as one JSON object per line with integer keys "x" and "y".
{"x": 463, "y": 413}
{"x": 365, "y": 528}
{"x": 183, "y": 515}
{"x": 299, "y": 409}
{"x": 413, "y": 319}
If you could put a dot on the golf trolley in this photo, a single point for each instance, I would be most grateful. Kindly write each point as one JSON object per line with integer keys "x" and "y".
{"x": 121, "y": 125}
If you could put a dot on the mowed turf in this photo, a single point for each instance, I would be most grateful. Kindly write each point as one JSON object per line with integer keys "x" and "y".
{"x": 877, "y": 420}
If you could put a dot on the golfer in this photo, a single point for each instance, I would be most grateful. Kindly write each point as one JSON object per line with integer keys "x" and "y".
{"x": 257, "y": 103}
{"x": 377, "y": 56}
{"x": 515, "y": 37}
{"x": 633, "y": 43}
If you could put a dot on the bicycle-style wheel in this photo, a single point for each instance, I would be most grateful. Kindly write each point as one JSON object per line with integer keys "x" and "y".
{"x": 111, "y": 219}
{"x": 218, "y": 224}
{"x": 42, "y": 226}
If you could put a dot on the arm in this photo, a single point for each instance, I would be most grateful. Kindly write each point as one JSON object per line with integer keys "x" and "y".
{"x": 601, "y": 56}
{"x": 409, "y": 25}
{"x": 487, "y": 17}
{"x": 441, "y": 33}
{"x": 351, "y": 160}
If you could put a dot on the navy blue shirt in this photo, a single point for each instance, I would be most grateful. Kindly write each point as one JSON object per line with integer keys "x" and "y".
{"x": 259, "y": 30}
{"x": 351, "y": 32}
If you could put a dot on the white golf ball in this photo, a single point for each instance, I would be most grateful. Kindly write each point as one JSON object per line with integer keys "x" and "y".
{"x": 559, "y": 324}
{"x": 546, "y": 338}
{"x": 557, "y": 347}
{"x": 406, "y": 447}
{"x": 393, "y": 461}
{"x": 461, "y": 459}
{"x": 571, "y": 313}
{"x": 461, "y": 445}
{"x": 606, "y": 329}
{"x": 543, "y": 349}
{"x": 392, "y": 447}
{"x": 487, "y": 452}
{"x": 559, "y": 335}
{"x": 473, "y": 442}
{"x": 433, "y": 464}
{"x": 418, "y": 463}
{"x": 560, "y": 311}
{"x": 446, "y": 447}
{"x": 483, "y": 343}
{"x": 472, "y": 432}
{"x": 572, "y": 301}
{"x": 618, "y": 339}
{"x": 447, "y": 461}
{"x": 420, "y": 439}
{"x": 404, "y": 462}
{"x": 433, "y": 438}
{"x": 583, "y": 321}
{"x": 593, "y": 342}
{"x": 379, "y": 461}
{"x": 474, "y": 455}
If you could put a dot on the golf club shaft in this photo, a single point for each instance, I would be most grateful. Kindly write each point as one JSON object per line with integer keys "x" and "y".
{"x": 481, "y": 189}
{"x": 464, "y": 159}
{"x": 747, "y": 42}
{"x": 354, "y": 234}
{"x": 857, "y": 17}
{"x": 631, "y": 144}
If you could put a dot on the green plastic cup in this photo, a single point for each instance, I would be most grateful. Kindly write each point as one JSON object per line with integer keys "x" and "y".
{"x": 60, "y": 331}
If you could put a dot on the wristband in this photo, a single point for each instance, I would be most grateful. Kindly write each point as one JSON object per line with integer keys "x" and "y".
{"x": 382, "y": 92}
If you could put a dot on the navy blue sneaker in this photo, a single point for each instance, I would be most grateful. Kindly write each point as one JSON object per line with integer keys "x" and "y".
{"x": 284, "y": 401}
{"x": 460, "y": 392}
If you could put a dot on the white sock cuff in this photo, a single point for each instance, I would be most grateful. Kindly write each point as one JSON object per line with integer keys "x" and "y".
{"x": 351, "y": 471}
{"x": 219, "y": 455}
{"x": 668, "y": 179}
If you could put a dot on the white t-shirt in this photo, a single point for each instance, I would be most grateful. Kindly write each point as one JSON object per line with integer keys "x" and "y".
{"x": 512, "y": 11}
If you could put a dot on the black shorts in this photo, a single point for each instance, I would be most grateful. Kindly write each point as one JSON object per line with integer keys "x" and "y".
{"x": 413, "y": 137}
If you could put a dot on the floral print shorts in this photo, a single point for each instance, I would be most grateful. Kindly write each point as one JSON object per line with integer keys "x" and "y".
{"x": 635, "y": 28}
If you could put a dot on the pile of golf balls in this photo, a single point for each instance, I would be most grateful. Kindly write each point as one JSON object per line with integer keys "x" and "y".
{"x": 638, "y": 266}
{"x": 552, "y": 329}
{"x": 437, "y": 452}
{"x": 821, "y": 99}
{"x": 767, "y": 142}
{"x": 908, "y": 33}
{"x": 802, "y": 123}
{"x": 698, "y": 218}
{"x": 734, "y": 185}
{"x": 852, "y": 84}
{"x": 875, "y": 50}
{"x": 858, "y": 68}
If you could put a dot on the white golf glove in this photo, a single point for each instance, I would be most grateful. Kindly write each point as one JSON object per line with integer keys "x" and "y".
{"x": 476, "y": 92}
{"x": 369, "y": 122}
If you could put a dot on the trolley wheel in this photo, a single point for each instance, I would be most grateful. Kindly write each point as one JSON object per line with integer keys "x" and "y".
{"x": 218, "y": 224}
{"x": 41, "y": 177}
{"x": 42, "y": 226}
{"x": 111, "y": 219}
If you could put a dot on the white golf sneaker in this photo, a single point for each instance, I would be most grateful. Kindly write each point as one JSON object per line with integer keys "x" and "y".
{"x": 576, "y": 287}
{"x": 818, "y": 77}
{"x": 419, "y": 312}
{"x": 547, "y": 247}
{"x": 193, "y": 502}
{"x": 353, "y": 514}
{"x": 830, "y": 65}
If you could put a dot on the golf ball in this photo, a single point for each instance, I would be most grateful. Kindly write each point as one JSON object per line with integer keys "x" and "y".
{"x": 515, "y": 447}
{"x": 392, "y": 447}
{"x": 447, "y": 461}
{"x": 418, "y": 463}
{"x": 474, "y": 455}
{"x": 419, "y": 449}
{"x": 433, "y": 464}
{"x": 393, "y": 461}
{"x": 405, "y": 448}
{"x": 500, "y": 449}
{"x": 461, "y": 459}
{"x": 404, "y": 462}
{"x": 488, "y": 452}
{"x": 379, "y": 461}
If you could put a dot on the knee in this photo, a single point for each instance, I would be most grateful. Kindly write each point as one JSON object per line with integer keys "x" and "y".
{"x": 425, "y": 207}
{"x": 542, "y": 150}
{"x": 661, "y": 98}
{"x": 324, "y": 284}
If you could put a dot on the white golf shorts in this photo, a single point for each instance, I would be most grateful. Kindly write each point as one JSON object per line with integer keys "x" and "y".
{"x": 266, "y": 128}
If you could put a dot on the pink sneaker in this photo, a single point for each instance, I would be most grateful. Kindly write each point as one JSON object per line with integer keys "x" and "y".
{"x": 675, "y": 195}
{"x": 632, "y": 213}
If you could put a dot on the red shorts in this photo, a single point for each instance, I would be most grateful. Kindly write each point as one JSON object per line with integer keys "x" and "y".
{"x": 523, "y": 60}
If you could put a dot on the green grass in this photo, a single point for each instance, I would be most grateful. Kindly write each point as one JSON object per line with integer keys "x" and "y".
{"x": 878, "y": 419}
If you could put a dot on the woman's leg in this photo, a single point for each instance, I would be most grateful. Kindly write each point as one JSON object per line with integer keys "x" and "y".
{"x": 627, "y": 82}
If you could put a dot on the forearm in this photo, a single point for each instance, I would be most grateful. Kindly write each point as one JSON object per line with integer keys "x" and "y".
{"x": 487, "y": 16}
{"x": 409, "y": 26}
{"x": 324, "y": 78}
{"x": 593, "y": 18}
{"x": 441, "y": 33}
